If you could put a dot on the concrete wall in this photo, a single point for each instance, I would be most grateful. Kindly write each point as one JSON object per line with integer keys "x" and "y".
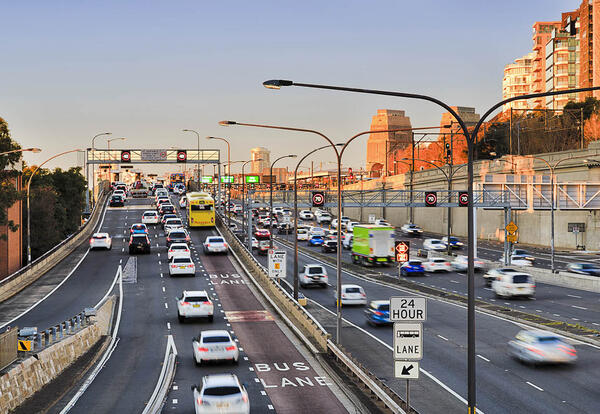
{"x": 534, "y": 225}
{"x": 25, "y": 379}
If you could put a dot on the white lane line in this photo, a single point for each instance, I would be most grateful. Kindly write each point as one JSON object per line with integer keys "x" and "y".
{"x": 250, "y": 369}
{"x": 574, "y": 296}
{"x": 166, "y": 305}
{"x": 256, "y": 380}
{"x": 579, "y": 307}
{"x": 484, "y": 358}
{"x": 159, "y": 262}
{"x": 122, "y": 249}
{"x": 594, "y": 323}
{"x": 158, "y": 254}
{"x": 454, "y": 281}
{"x": 263, "y": 393}
{"x": 555, "y": 314}
{"x": 488, "y": 288}
{"x": 175, "y": 387}
{"x": 161, "y": 275}
{"x": 535, "y": 386}
{"x": 440, "y": 336}
{"x": 163, "y": 288}
{"x": 270, "y": 407}
{"x": 169, "y": 326}
{"x": 174, "y": 400}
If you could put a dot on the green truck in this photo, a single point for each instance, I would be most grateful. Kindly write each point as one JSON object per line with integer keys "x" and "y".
{"x": 373, "y": 244}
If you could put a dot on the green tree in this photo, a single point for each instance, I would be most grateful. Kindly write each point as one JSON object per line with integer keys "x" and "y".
{"x": 590, "y": 106}
{"x": 8, "y": 192}
{"x": 47, "y": 216}
{"x": 70, "y": 186}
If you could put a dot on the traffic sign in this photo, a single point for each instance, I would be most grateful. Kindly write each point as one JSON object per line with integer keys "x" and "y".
{"x": 402, "y": 249}
{"x": 406, "y": 369}
{"x": 463, "y": 199}
{"x": 371, "y": 218}
{"x": 277, "y": 265}
{"x": 153, "y": 155}
{"x": 318, "y": 198}
{"x": 207, "y": 179}
{"x": 181, "y": 156}
{"x": 511, "y": 227}
{"x": 227, "y": 179}
{"x": 408, "y": 340}
{"x": 252, "y": 179}
{"x": 24, "y": 346}
{"x": 430, "y": 198}
{"x": 125, "y": 156}
{"x": 511, "y": 238}
{"x": 408, "y": 308}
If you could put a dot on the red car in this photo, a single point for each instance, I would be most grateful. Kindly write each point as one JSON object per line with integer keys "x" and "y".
{"x": 262, "y": 234}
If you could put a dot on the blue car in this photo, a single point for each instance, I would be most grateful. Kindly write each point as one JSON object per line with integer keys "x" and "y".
{"x": 454, "y": 242}
{"x": 316, "y": 240}
{"x": 378, "y": 312}
{"x": 412, "y": 268}
{"x": 138, "y": 228}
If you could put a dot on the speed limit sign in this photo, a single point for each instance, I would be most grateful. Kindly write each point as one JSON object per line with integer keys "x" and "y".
{"x": 463, "y": 199}
{"x": 318, "y": 198}
{"x": 430, "y": 198}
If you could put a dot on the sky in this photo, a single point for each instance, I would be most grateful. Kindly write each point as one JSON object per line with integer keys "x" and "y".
{"x": 145, "y": 70}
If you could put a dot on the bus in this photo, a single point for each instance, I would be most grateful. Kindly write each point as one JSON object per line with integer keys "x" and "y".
{"x": 200, "y": 210}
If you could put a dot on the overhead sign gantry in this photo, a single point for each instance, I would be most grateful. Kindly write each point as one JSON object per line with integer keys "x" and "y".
{"x": 152, "y": 156}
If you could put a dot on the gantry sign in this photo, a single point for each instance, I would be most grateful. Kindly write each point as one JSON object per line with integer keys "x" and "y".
{"x": 152, "y": 156}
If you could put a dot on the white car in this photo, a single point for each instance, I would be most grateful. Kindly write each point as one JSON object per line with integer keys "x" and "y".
{"x": 324, "y": 218}
{"x": 195, "y": 304}
{"x": 172, "y": 224}
{"x": 411, "y": 229}
{"x": 516, "y": 260}
{"x": 215, "y": 244}
{"x": 313, "y": 274}
{"x": 277, "y": 210}
{"x": 221, "y": 393}
{"x": 178, "y": 249}
{"x": 302, "y": 234}
{"x": 493, "y": 274}
{"x": 100, "y": 241}
{"x": 347, "y": 241}
{"x": 316, "y": 231}
{"x": 150, "y": 217}
{"x": 460, "y": 264}
{"x": 306, "y": 215}
{"x": 382, "y": 222}
{"x": 254, "y": 243}
{"x": 237, "y": 209}
{"x": 182, "y": 202}
{"x": 121, "y": 193}
{"x": 435, "y": 245}
{"x": 437, "y": 264}
{"x": 215, "y": 345}
{"x": 352, "y": 295}
{"x": 515, "y": 284}
{"x": 350, "y": 226}
{"x": 181, "y": 265}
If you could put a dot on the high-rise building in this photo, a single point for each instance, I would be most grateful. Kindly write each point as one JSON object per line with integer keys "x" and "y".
{"x": 542, "y": 32}
{"x": 381, "y": 146}
{"x": 562, "y": 68}
{"x": 518, "y": 81}
{"x": 262, "y": 154}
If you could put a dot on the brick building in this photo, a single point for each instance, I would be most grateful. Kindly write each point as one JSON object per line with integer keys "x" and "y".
{"x": 381, "y": 146}
{"x": 11, "y": 249}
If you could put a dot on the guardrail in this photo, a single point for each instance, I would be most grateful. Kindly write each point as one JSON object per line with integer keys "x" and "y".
{"x": 165, "y": 379}
{"x": 19, "y": 280}
{"x": 291, "y": 311}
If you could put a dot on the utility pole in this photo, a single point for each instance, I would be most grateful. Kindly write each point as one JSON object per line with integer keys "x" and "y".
{"x": 411, "y": 218}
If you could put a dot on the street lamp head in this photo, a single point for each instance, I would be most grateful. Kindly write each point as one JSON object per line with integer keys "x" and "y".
{"x": 227, "y": 123}
{"x": 36, "y": 150}
{"x": 186, "y": 130}
{"x": 277, "y": 83}
{"x": 292, "y": 156}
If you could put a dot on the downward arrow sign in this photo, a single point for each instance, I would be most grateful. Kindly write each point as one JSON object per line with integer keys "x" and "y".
{"x": 406, "y": 370}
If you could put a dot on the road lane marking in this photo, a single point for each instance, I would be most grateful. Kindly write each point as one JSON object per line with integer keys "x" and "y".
{"x": 166, "y": 305}
{"x": 263, "y": 393}
{"x": 535, "y": 386}
{"x": 158, "y": 254}
{"x": 174, "y": 400}
{"x": 169, "y": 326}
{"x": 454, "y": 281}
{"x": 175, "y": 387}
{"x": 440, "y": 336}
{"x": 270, "y": 407}
{"x": 484, "y": 358}
{"x": 163, "y": 288}
{"x": 574, "y": 296}
{"x": 579, "y": 307}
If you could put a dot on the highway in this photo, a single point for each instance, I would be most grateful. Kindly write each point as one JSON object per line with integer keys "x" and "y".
{"x": 503, "y": 384}
{"x": 276, "y": 372}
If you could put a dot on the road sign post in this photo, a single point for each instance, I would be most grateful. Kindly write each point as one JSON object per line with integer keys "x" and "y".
{"x": 277, "y": 264}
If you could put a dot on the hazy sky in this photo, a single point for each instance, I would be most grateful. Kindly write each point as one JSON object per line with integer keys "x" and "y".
{"x": 146, "y": 69}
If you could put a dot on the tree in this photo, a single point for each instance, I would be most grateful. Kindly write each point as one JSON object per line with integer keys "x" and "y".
{"x": 590, "y": 106}
{"x": 8, "y": 192}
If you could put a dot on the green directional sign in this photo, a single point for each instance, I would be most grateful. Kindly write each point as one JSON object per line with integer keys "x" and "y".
{"x": 207, "y": 179}
{"x": 252, "y": 179}
{"x": 227, "y": 179}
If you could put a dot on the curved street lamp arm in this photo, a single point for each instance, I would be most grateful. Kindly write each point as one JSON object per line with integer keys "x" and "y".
{"x": 42, "y": 164}
{"x": 429, "y": 162}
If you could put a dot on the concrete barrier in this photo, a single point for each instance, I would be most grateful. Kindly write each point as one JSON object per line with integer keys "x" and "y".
{"x": 564, "y": 279}
{"x": 13, "y": 284}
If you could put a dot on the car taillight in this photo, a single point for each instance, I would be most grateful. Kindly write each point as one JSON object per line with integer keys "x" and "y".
{"x": 185, "y": 303}
{"x": 201, "y": 349}
{"x": 362, "y": 294}
{"x": 191, "y": 265}
{"x": 534, "y": 350}
{"x": 378, "y": 313}
{"x": 230, "y": 348}
{"x": 168, "y": 239}
{"x": 207, "y": 244}
{"x": 173, "y": 266}
{"x": 91, "y": 240}
{"x": 245, "y": 398}
{"x": 207, "y": 303}
{"x": 199, "y": 401}
{"x": 343, "y": 295}
{"x": 447, "y": 263}
{"x": 568, "y": 350}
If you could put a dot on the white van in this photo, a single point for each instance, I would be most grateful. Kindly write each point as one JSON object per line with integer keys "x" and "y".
{"x": 514, "y": 284}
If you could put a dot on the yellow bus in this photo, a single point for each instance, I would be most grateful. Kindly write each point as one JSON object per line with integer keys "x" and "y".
{"x": 200, "y": 210}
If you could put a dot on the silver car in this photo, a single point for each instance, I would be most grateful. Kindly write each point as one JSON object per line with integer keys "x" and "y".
{"x": 541, "y": 347}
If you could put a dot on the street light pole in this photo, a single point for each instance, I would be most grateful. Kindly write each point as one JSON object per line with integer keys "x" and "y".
{"x": 198, "y": 160}
{"x": 470, "y": 138}
{"x": 28, "y": 190}
{"x": 108, "y": 141}
{"x": 228, "y": 174}
{"x": 271, "y": 196}
{"x": 94, "y": 168}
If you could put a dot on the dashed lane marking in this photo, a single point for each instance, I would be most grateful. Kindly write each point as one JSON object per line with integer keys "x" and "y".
{"x": 574, "y": 296}
{"x": 166, "y": 305}
{"x": 440, "y": 336}
{"x": 534, "y": 386}
{"x": 484, "y": 358}
{"x": 163, "y": 288}
{"x": 169, "y": 326}
{"x": 579, "y": 307}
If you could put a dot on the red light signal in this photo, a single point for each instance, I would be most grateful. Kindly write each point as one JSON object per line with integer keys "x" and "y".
{"x": 402, "y": 250}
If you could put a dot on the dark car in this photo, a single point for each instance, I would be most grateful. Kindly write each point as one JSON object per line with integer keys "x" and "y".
{"x": 285, "y": 228}
{"x": 166, "y": 209}
{"x": 177, "y": 236}
{"x": 139, "y": 243}
{"x": 329, "y": 246}
{"x": 116, "y": 201}
{"x": 165, "y": 217}
{"x": 590, "y": 269}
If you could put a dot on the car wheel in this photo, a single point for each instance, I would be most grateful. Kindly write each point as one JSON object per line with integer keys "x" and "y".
{"x": 210, "y": 318}
{"x": 235, "y": 361}
{"x": 181, "y": 318}
{"x": 198, "y": 363}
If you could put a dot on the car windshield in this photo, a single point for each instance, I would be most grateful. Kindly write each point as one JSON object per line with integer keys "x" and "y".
{"x": 414, "y": 263}
{"x": 177, "y": 234}
{"x": 175, "y": 247}
{"x": 589, "y": 266}
{"x": 520, "y": 279}
{"x": 435, "y": 242}
{"x": 518, "y": 251}
{"x": 196, "y": 299}
{"x": 139, "y": 239}
{"x": 548, "y": 339}
{"x": 352, "y": 290}
{"x": 182, "y": 260}
{"x": 215, "y": 240}
{"x": 174, "y": 221}
{"x": 315, "y": 270}
{"x": 384, "y": 307}
{"x": 214, "y": 339}
{"x": 221, "y": 391}
{"x": 150, "y": 214}
{"x": 99, "y": 236}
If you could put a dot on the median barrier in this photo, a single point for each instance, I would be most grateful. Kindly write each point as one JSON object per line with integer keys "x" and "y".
{"x": 564, "y": 279}
{"x": 14, "y": 283}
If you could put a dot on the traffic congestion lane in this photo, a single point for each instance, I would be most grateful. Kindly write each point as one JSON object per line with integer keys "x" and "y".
{"x": 553, "y": 302}
{"x": 447, "y": 359}
{"x": 85, "y": 286}
{"x": 283, "y": 372}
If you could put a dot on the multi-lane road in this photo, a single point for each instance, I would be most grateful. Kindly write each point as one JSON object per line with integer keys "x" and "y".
{"x": 277, "y": 371}
{"x": 503, "y": 384}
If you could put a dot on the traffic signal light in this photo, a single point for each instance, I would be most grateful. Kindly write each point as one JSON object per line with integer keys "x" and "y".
{"x": 181, "y": 156}
{"x": 125, "y": 156}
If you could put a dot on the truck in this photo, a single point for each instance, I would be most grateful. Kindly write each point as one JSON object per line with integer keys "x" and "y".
{"x": 372, "y": 244}
{"x": 140, "y": 189}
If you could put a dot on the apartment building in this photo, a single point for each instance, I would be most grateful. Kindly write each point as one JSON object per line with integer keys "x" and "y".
{"x": 517, "y": 80}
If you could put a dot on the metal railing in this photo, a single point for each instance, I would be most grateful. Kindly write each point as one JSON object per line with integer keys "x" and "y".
{"x": 165, "y": 379}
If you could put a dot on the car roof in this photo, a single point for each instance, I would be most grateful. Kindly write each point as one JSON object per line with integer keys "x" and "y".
{"x": 314, "y": 265}
{"x": 220, "y": 380}
{"x": 179, "y": 245}
{"x": 150, "y": 211}
{"x": 214, "y": 332}
{"x": 195, "y": 292}
{"x": 350, "y": 286}
{"x": 380, "y": 302}
{"x": 101, "y": 234}
{"x": 138, "y": 224}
